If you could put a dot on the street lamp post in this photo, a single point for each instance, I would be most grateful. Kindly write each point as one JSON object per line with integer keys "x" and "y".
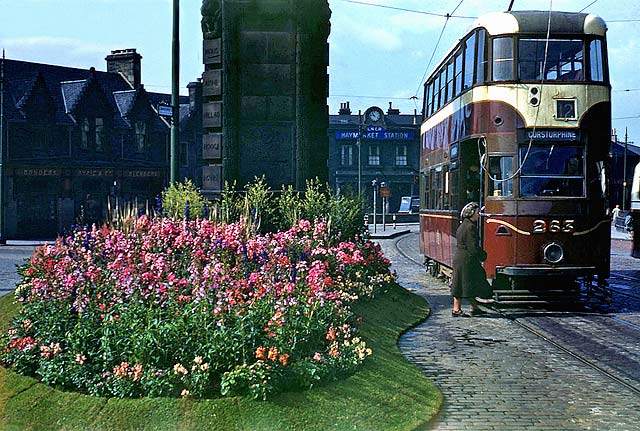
{"x": 374, "y": 185}
{"x": 359, "y": 142}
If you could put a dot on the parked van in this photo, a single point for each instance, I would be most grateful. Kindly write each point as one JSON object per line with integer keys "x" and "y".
{"x": 409, "y": 205}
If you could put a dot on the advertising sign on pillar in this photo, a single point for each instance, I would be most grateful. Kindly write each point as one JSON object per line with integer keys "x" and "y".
{"x": 212, "y": 177}
{"x": 212, "y": 83}
{"x": 212, "y": 146}
{"x": 212, "y": 51}
{"x": 212, "y": 114}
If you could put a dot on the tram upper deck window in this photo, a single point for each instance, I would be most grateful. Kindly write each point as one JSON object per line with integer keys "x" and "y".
{"x": 564, "y": 61}
{"x": 469, "y": 55}
{"x": 596, "y": 56}
{"x": 502, "y": 59}
{"x": 551, "y": 170}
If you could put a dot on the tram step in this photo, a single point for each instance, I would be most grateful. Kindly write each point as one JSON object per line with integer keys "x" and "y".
{"x": 536, "y": 297}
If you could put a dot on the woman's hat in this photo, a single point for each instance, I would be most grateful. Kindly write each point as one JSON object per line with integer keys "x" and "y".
{"x": 468, "y": 210}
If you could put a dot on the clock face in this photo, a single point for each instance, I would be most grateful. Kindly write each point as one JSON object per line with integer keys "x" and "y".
{"x": 374, "y": 116}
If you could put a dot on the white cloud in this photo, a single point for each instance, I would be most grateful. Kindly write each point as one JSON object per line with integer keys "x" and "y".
{"x": 36, "y": 47}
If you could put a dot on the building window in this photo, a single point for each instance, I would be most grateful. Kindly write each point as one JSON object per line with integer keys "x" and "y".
{"x": 401, "y": 155}
{"x": 374, "y": 155}
{"x": 99, "y": 134}
{"x": 39, "y": 136}
{"x": 184, "y": 158}
{"x": 141, "y": 136}
{"x": 84, "y": 130}
{"x": 346, "y": 155}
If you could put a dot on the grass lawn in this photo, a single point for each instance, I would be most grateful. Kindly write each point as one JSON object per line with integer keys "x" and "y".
{"x": 388, "y": 393}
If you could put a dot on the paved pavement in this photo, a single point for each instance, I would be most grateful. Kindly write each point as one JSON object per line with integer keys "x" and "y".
{"x": 494, "y": 375}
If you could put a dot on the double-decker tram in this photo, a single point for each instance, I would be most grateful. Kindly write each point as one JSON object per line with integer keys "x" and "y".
{"x": 635, "y": 211}
{"x": 517, "y": 117}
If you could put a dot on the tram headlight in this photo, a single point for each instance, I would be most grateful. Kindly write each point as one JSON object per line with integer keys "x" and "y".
{"x": 553, "y": 252}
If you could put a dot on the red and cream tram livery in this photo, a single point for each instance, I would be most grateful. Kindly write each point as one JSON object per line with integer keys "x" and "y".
{"x": 517, "y": 117}
{"x": 635, "y": 211}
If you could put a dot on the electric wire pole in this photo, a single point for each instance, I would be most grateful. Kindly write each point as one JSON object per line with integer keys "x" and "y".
{"x": 175, "y": 93}
{"x": 3, "y": 239}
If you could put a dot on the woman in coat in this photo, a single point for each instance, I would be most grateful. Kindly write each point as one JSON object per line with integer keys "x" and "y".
{"x": 469, "y": 279}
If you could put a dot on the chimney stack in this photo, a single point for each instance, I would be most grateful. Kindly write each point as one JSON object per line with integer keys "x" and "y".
{"x": 344, "y": 109}
{"x": 127, "y": 62}
{"x": 195, "y": 94}
{"x": 392, "y": 110}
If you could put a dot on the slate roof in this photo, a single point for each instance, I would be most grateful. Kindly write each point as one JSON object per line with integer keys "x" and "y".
{"x": 66, "y": 86}
{"x": 71, "y": 92}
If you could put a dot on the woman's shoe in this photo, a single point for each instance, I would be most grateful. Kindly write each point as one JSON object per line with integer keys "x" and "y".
{"x": 459, "y": 313}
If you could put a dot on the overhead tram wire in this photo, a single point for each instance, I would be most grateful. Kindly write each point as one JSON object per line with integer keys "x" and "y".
{"x": 587, "y": 6}
{"x": 424, "y": 75}
{"x": 410, "y": 10}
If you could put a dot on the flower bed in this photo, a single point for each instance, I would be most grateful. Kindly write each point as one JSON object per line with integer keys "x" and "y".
{"x": 195, "y": 309}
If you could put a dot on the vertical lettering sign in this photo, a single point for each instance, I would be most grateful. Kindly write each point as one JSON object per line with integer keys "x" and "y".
{"x": 212, "y": 146}
{"x": 212, "y": 51}
{"x": 212, "y": 177}
{"x": 212, "y": 83}
{"x": 212, "y": 114}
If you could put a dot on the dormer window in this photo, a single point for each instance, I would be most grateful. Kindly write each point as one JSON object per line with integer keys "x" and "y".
{"x": 85, "y": 128}
{"x": 99, "y": 134}
{"x": 141, "y": 136}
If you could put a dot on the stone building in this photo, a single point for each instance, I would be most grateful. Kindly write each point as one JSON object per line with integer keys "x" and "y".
{"x": 75, "y": 140}
{"x": 375, "y": 145}
{"x": 265, "y": 86}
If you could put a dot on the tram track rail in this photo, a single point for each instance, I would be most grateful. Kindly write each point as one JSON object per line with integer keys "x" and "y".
{"x": 537, "y": 332}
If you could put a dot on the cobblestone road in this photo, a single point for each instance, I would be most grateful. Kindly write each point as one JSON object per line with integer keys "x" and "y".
{"x": 497, "y": 376}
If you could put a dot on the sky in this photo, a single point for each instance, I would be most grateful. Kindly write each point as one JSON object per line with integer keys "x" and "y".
{"x": 377, "y": 54}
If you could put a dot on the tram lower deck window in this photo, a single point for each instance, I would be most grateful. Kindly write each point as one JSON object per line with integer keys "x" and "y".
{"x": 552, "y": 170}
{"x": 500, "y": 171}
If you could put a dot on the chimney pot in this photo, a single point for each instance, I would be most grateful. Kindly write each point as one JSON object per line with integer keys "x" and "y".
{"x": 128, "y": 63}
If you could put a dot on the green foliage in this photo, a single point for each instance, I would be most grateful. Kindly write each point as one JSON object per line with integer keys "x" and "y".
{"x": 175, "y": 198}
{"x": 257, "y": 204}
{"x": 288, "y": 211}
{"x": 388, "y": 393}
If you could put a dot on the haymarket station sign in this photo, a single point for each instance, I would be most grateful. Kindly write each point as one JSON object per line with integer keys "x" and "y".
{"x": 377, "y": 133}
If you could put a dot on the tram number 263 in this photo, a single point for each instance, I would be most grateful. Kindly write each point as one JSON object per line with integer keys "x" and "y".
{"x": 542, "y": 226}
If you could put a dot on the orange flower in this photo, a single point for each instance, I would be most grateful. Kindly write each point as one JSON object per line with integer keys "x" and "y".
{"x": 260, "y": 352}
{"x": 273, "y": 353}
{"x": 284, "y": 359}
{"x": 331, "y": 334}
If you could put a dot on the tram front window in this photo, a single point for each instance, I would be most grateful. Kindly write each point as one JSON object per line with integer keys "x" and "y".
{"x": 564, "y": 60}
{"x": 551, "y": 170}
